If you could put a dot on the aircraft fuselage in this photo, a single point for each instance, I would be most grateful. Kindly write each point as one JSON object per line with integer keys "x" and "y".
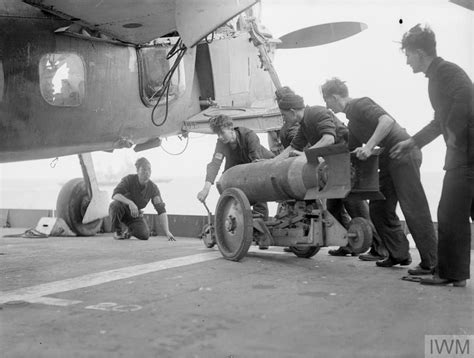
{"x": 63, "y": 95}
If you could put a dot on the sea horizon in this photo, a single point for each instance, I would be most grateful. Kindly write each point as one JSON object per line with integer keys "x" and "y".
{"x": 178, "y": 192}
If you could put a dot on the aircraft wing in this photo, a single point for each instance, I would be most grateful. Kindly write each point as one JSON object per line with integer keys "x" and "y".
{"x": 140, "y": 21}
{"x": 468, "y": 4}
{"x": 258, "y": 119}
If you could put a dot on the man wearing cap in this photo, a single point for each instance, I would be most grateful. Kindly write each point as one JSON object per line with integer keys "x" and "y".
{"x": 399, "y": 178}
{"x": 130, "y": 196}
{"x": 290, "y": 124}
{"x": 319, "y": 127}
{"x": 238, "y": 145}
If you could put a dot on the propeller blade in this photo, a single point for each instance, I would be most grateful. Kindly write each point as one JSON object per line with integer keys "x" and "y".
{"x": 321, "y": 34}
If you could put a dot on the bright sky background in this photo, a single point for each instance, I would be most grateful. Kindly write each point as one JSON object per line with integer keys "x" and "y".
{"x": 371, "y": 63}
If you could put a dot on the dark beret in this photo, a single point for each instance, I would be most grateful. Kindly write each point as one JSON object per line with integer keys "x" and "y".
{"x": 281, "y": 92}
{"x": 291, "y": 101}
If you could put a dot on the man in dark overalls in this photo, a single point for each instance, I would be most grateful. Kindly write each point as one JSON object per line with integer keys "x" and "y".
{"x": 130, "y": 196}
{"x": 451, "y": 95}
{"x": 370, "y": 126}
{"x": 319, "y": 127}
{"x": 290, "y": 124}
{"x": 237, "y": 145}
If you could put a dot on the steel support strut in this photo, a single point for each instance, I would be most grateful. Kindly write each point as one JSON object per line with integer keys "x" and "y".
{"x": 99, "y": 205}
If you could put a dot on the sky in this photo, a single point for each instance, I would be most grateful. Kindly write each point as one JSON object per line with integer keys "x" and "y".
{"x": 370, "y": 62}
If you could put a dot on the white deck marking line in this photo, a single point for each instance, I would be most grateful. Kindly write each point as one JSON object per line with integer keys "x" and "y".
{"x": 257, "y": 250}
{"x": 34, "y": 293}
{"x": 53, "y": 301}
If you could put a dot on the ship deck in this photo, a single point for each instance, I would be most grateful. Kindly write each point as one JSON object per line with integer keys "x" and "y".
{"x": 98, "y": 297}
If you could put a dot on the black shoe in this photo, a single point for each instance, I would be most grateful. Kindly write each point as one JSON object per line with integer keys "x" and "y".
{"x": 370, "y": 257}
{"x": 389, "y": 262}
{"x": 438, "y": 281}
{"x": 419, "y": 270}
{"x": 342, "y": 251}
{"x": 119, "y": 235}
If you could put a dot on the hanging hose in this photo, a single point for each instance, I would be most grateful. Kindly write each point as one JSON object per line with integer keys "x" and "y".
{"x": 179, "y": 153}
{"x": 178, "y": 49}
{"x": 211, "y": 40}
{"x": 54, "y": 162}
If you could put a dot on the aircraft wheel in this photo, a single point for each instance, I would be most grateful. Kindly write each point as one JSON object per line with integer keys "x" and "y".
{"x": 234, "y": 224}
{"x": 208, "y": 236}
{"x": 359, "y": 235}
{"x": 71, "y": 205}
{"x": 305, "y": 252}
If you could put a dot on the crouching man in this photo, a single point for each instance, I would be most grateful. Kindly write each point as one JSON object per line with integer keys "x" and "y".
{"x": 130, "y": 196}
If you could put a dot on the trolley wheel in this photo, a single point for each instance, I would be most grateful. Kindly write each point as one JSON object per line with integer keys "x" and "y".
{"x": 208, "y": 236}
{"x": 305, "y": 252}
{"x": 359, "y": 235}
{"x": 234, "y": 224}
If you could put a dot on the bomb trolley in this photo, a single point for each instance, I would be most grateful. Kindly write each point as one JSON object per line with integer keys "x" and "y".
{"x": 300, "y": 185}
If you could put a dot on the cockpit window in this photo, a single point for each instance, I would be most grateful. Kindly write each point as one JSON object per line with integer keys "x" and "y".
{"x": 2, "y": 81}
{"x": 154, "y": 66}
{"x": 62, "y": 79}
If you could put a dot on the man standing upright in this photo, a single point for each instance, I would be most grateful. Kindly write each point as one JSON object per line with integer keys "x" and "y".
{"x": 451, "y": 95}
{"x": 399, "y": 179}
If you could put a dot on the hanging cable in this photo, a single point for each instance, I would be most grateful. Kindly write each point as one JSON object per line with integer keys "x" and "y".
{"x": 212, "y": 38}
{"x": 54, "y": 162}
{"x": 178, "y": 49}
{"x": 185, "y": 146}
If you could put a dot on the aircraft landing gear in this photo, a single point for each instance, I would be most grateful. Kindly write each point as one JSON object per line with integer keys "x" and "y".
{"x": 72, "y": 203}
{"x": 80, "y": 202}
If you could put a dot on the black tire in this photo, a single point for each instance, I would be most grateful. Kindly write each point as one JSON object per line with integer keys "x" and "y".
{"x": 71, "y": 205}
{"x": 233, "y": 224}
{"x": 305, "y": 252}
{"x": 360, "y": 235}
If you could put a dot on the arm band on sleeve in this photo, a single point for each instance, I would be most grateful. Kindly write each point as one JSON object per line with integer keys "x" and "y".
{"x": 160, "y": 208}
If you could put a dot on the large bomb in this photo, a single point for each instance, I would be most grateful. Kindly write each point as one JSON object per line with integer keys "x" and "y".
{"x": 321, "y": 173}
{"x": 272, "y": 180}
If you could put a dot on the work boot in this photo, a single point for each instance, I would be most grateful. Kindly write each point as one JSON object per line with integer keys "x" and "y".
{"x": 121, "y": 235}
{"x": 438, "y": 281}
{"x": 341, "y": 251}
{"x": 390, "y": 261}
{"x": 419, "y": 270}
{"x": 371, "y": 256}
